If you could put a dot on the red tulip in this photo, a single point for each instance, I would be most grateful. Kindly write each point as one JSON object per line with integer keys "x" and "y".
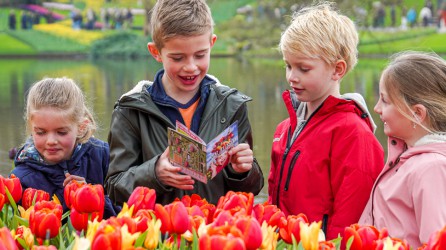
{"x": 250, "y": 230}
{"x": 174, "y": 217}
{"x": 291, "y": 227}
{"x": 437, "y": 241}
{"x": 269, "y": 213}
{"x": 89, "y": 199}
{"x": 45, "y": 218}
{"x": 327, "y": 245}
{"x": 391, "y": 243}
{"x": 142, "y": 217}
{"x": 364, "y": 237}
{"x": 3, "y": 197}
{"x": 14, "y": 187}
{"x": 236, "y": 202}
{"x": 220, "y": 242}
{"x": 31, "y": 195}
{"x": 80, "y": 220}
{"x": 107, "y": 237}
{"x": 142, "y": 198}
{"x": 6, "y": 240}
{"x": 26, "y": 235}
{"x": 70, "y": 191}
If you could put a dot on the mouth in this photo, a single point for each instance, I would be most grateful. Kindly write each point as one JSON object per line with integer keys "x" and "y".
{"x": 188, "y": 79}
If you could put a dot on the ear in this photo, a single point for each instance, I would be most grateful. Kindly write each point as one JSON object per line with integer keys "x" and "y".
{"x": 154, "y": 51}
{"x": 82, "y": 127}
{"x": 419, "y": 110}
{"x": 213, "y": 40}
{"x": 340, "y": 68}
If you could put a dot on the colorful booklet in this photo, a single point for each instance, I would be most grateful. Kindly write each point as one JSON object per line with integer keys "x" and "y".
{"x": 196, "y": 158}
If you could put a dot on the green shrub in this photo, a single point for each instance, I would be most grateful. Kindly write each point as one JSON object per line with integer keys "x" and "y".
{"x": 122, "y": 44}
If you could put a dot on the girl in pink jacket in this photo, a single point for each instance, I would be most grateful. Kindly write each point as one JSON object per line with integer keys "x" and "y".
{"x": 409, "y": 196}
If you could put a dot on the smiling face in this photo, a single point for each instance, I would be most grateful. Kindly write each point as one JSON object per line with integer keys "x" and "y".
{"x": 395, "y": 123}
{"x": 311, "y": 79}
{"x": 186, "y": 63}
{"x": 53, "y": 133}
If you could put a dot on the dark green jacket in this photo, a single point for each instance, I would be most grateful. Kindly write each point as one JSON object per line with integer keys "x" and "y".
{"x": 138, "y": 136}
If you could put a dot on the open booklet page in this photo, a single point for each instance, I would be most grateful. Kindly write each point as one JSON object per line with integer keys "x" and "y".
{"x": 202, "y": 162}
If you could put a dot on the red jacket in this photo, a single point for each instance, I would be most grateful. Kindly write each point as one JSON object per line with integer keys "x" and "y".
{"x": 327, "y": 173}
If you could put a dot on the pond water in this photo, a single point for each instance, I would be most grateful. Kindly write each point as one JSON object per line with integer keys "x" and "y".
{"x": 105, "y": 81}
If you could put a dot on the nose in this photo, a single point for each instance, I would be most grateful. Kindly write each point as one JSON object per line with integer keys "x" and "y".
{"x": 52, "y": 139}
{"x": 292, "y": 77}
{"x": 377, "y": 108}
{"x": 190, "y": 65}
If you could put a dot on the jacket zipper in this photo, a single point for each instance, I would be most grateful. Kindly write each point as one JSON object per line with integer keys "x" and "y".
{"x": 285, "y": 154}
{"x": 290, "y": 171}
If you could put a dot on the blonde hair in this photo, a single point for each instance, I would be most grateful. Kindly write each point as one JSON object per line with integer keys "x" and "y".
{"x": 64, "y": 95}
{"x": 171, "y": 18}
{"x": 319, "y": 31}
{"x": 414, "y": 77}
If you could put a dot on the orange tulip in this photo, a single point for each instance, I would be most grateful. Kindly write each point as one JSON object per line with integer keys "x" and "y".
{"x": 31, "y": 195}
{"x": 89, "y": 199}
{"x": 80, "y": 220}
{"x": 142, "y": 198}
{"x": 291, "y": 227}
{"x": 174, "y": 217}
{"x": 327, "y": 245}
{"x": 14, "y": 187}
{"x": 437, "y": 241}
{"x": 107, "y": 237}
{"x": 6, "y": 240}
{"x": 69, "y": 192}
{"x": 45, "y": 219}
{"x": 364, "y": 237}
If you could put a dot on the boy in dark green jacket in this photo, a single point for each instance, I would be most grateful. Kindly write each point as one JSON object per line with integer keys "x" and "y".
{"x": 182, "y": 33}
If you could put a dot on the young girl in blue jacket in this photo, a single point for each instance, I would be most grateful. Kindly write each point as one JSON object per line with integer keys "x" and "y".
{"x": 61, "y": 146}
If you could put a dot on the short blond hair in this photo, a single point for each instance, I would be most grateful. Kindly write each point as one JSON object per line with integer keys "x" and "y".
{"x": 172, "y": 18}
{"x": 415, "y": 77}
{"x": 65, "y": 95}
{"x": 320, "y": 31}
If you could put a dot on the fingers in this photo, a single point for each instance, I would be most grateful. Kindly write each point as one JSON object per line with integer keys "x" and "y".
{"x": 69, "y": 178}
{"x": 241, "y": 158}
{"x": 170, "y": 175}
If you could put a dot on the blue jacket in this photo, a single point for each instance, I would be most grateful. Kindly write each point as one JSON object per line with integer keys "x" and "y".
{"x": 89, "y": 160}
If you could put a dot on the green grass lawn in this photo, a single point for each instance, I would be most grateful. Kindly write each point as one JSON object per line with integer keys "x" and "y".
{"x": 11, "y": 45}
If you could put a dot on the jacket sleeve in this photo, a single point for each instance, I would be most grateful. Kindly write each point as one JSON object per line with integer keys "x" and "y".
{"x": 429, "y": 196}
{"x": 126, "y": 170}
{"x": 356, "y": 161}
{"x": 253, "y": 181}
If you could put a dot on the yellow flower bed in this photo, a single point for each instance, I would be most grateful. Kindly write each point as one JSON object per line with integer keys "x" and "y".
{"x": 84, "y": 37}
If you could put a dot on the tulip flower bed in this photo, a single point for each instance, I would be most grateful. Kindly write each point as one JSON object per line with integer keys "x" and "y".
{"x": 187, "y": 223}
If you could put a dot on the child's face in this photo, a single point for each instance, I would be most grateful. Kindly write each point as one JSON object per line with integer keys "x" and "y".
{"x": 53, "y": 134}
{"x": 186, "y": 62}
{"x": 395, "y": 123}
{"x": 311, "y": 79}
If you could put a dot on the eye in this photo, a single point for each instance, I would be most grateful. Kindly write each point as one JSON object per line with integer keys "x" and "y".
{"x": 199, "y": 56}
{"x": 304, "y": 69}
{"x": 39, "y": 132}
{"x": 62, "y": 132}
{"x": 287, "y": 66}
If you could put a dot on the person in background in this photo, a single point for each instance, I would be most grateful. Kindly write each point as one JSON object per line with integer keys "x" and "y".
{"x": 12, "y": 21}
{"x": 182, "y": 33}
{"x": 61, "y": 146}
{"x": 325, "y": 157}
{"x": 409, "y": 196}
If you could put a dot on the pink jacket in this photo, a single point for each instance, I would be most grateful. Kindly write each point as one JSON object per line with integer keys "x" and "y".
{"x": 409, "y": 196}
{"x": 327, "y": 173}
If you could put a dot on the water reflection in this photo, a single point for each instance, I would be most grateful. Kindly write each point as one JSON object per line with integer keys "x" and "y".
{"x": 104, "y": 81}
